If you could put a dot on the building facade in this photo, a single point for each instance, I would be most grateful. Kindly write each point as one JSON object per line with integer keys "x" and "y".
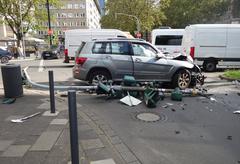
{"x": 74, "y": 14}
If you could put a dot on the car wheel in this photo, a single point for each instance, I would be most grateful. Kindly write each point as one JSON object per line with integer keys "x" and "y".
{"x": 182, "y": 79}
{"x": 4, "y": 59}
{"x": 99, "y": 76}
{"x": 209, "y": 66}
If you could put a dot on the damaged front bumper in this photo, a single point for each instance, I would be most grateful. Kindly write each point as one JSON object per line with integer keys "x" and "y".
{"x": 197, "y": 78}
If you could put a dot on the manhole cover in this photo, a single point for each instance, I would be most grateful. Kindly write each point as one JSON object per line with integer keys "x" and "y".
{"x": 148, "y": 117}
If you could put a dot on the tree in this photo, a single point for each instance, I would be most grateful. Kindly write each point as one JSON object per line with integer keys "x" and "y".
{"x": 146, "y": 11}
{"x": 23, "y": 15}
{"x": 180, "y": 13}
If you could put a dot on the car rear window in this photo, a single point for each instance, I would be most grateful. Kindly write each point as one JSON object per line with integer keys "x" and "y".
{"x": 80, "y": 48}
{"x": 168, "y": 40}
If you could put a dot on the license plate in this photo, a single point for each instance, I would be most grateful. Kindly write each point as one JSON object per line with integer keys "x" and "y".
{"x": 47, "y": 54}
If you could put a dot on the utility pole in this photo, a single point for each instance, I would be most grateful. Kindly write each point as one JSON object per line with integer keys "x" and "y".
{"x": 50, "y": 32}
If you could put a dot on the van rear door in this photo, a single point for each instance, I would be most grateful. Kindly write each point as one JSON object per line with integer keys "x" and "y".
{"x": 233, "y": 46}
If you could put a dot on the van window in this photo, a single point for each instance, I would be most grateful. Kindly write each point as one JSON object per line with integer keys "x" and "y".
{"x": 168, "y": 40}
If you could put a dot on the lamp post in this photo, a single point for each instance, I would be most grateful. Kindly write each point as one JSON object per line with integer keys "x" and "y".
{"x": 49, "y": 23}
{"x": 135, "y": 17}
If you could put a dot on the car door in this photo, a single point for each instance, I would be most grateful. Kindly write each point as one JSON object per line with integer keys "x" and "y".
{"x": 118, "y": 59}
{"x": 146, "y": 64}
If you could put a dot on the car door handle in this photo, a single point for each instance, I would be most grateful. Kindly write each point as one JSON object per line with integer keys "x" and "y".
{"x": 138, "y": 60}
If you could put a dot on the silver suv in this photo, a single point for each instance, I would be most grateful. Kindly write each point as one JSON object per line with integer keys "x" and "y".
{"x": 111, "y": 59}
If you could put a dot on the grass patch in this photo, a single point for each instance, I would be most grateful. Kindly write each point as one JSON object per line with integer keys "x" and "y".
{"x": 233, "y": 74}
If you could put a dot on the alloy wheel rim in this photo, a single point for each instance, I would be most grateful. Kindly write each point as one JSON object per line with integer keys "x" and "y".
{"x": 99, "y": 78}
{"x": 184, "y": 80}
{"x": 4, "y": 60}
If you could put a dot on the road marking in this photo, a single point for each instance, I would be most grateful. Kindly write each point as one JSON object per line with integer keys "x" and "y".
{"x": 41, "y": 66}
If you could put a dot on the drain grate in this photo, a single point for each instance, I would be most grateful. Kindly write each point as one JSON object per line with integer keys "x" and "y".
{"x": 150, "y": 117}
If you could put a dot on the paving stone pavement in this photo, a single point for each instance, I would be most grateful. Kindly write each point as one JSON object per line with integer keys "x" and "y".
{"x": 46, "y": 140}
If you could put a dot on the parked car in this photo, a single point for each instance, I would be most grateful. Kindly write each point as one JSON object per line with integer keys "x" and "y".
{"x": 102, "y": 60}
{"x": 5, "y": 56}
{"x": 74, "y": 38}
{"x": 51, "y": 53}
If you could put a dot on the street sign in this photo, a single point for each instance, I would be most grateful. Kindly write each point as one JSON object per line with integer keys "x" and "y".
{"x": 50, "y": 31}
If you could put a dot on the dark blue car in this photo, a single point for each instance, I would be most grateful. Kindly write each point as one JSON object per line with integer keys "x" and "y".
{"x": 5, "y": 56}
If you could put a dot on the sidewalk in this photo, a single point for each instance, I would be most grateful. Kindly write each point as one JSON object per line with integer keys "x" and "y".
{"x": 45, "y": 139}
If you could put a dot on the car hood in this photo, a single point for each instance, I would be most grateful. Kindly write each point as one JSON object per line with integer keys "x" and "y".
{"x": 180, "y": 63}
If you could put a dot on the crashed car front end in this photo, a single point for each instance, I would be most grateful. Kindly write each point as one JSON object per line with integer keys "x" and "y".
{"x": 197, "y": 78}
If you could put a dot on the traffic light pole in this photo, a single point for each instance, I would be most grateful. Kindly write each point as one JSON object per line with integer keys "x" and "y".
{"x": 49, "y": 24}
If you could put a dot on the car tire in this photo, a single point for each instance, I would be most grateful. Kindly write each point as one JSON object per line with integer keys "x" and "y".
{"x": 209, "y": 66}
{"x": 182, "y": 79}
{"x": 4, "y": 59}
{"x": 99, "y": 76}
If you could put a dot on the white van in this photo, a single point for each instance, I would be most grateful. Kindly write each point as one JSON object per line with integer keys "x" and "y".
{"x": 74, "y": 38}
{"x": 213, "y": 45}
{"x": 167, "y": 40}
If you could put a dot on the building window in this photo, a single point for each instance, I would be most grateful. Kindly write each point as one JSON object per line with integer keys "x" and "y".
{"x": 75, "y": 6}
{"x": 70, "y": 15}
{"x": 82, "y": 6}
{"x": 82, "y": 15}
{"x": 69, "y": 6}
{"x": 64, "y": 15}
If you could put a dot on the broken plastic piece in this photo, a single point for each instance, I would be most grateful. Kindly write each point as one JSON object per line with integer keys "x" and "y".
{"x": 237, "y": 112}
{"x": 20, "y": 120}
{"x": 130, "y": 101}
{"x": 213, "y": 99}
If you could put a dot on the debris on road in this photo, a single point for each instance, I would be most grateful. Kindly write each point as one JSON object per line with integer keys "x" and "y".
{"x": 237, "y": 83}
{"x": 177, "y": 132}
{"x": 165, "y": 106}
{"x": 213, "y": 99}
{"x": 20, "y": 120}
{"x": 130, "y": 100}
{"x": 169, "y": 104}
{"x": 229, "y": 137}
{"x": 176, "y": 95}
{"x": 174, "y": 110}
{"x": 236, "y": 112}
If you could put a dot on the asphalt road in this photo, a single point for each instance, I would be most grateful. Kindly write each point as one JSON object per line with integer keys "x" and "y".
{"x": 197, "y": 130}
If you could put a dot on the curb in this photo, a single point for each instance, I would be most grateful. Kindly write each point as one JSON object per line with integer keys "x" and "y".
{"x": 228, "y": 78}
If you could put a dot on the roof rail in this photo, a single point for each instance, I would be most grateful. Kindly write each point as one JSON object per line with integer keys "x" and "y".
{"x": 117, "y": 38}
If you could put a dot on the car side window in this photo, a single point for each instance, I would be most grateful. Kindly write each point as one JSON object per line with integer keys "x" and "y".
{"x": 101, "y": 48}
{"x": 146, "y": 50}
{"x": 120, "y": 48}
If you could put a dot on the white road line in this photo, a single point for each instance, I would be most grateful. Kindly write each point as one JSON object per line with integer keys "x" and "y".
{"x": 41, "y": 66}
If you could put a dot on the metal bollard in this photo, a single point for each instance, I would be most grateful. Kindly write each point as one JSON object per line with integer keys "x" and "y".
{"x": 72, "y": 108}
{"x": 51, "y": 90}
